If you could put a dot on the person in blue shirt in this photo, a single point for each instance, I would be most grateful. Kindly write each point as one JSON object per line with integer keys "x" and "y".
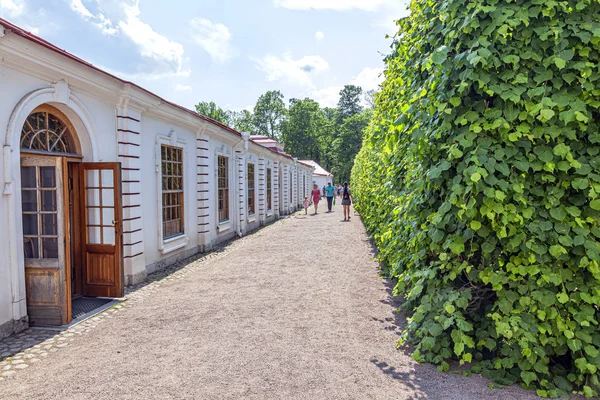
{"x": 329, "y": 193}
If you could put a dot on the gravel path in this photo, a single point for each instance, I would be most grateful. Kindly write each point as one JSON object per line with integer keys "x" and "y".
{"x": 297, "y": 311}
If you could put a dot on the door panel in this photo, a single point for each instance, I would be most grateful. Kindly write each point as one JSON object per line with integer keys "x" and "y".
{"x": 42, "y": 196}
{"x": 102, "y": 233}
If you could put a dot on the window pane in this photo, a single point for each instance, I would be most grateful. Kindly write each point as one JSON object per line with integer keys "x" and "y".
{"x": 93, "y": 235}
{"x": 93, "y": 197}
{"x": 50, "y": 247}
{"x": 107, "y": 178}
{"x": 93, "y": 216}
{"x": 29, "y": 200}
{"x": 30, "y": 224}
{"x": 109, "y": 235}
{"x": 91, "y": 178}
{"x": 48, "y": 200}
{"x": 108, "y": 197}
{"x": 49, "y": 225}
{"x": 108, "y": 216}
{"x": 31, "y": 247}
{"x": 28, "y": 177}
{"x": 47, "y": 177}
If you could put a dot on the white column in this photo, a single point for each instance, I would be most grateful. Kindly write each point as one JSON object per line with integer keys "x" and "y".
{"x": 275, "y": 189}
{"x": 202, "y": 185}
{"x": 241, "y": 200}
{"x": 130, "y": 152}
{"x": 262, "y": 181}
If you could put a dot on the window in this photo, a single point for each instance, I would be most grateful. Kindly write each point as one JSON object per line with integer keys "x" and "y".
{"x": 291, "y": 185}
{"x": 223, "y": 188}
{"x": 40, "y": 212}
{"x": 250, "y": 180}
{"x": 43, "y": 131}
{"x": 172, "y": 191}
{"x": 269, "y": 190}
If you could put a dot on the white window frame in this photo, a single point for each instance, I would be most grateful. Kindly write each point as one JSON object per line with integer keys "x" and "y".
{"x": 268, "y": 211}
{"x": 223, "y": 151}
{"x": 252, "y": 217}
{"x": 177, "y": 242}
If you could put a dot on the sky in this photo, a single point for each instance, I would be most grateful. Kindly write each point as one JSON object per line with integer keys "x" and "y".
{"x": 226, "y": 51}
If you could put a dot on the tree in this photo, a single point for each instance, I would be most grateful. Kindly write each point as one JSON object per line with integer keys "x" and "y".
{"x": 347, "y": 144}
{"x": 242, "y": 121}
{"x": 349, "y": 103}
{"x": 269, "y": 112}
{"x": 301, "y": 128}
{"x": 211, "y": 110}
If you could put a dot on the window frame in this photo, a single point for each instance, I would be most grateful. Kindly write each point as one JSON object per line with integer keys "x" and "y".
{"x": 172, "y": 243}
{"x": 269, "y": 190}
{"x": 226, "y": 189}
{"x": 251, "y": 191}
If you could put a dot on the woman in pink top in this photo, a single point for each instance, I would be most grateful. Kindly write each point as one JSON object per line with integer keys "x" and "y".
{"x": 316, "y": 196}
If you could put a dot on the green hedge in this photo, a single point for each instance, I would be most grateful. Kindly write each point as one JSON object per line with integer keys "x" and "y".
{"x": 479, "y": 178}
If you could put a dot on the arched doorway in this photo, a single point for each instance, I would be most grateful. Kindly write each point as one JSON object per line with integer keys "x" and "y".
{"x": 70, "y": 218}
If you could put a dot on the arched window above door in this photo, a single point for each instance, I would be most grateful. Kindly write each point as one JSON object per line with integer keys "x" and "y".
{"x": 46, "y": 130}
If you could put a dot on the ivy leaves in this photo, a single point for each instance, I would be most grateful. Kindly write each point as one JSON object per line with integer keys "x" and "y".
{"x": 480, "y": 182}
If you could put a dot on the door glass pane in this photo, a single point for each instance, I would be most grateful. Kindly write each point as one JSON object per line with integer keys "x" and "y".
{"x": 48, "y": 198}
{"x": 50, "y": 247}
{"x": 30, "y": 224}
{"x": 108, "y": 197}
{"x": 107, "y": 178}
{"x": 28, "y": 177}
{"x": 109, "y": 235}
{"x": 30, "y": 245}
{"x": 108, "y": 216}
{"x": 93, "y": 216}
{"x": 47, "y": 177}
{"x": 91, "y": 178}
{"x": 29, "y": 200}
{"x": 49, "y": 226}
{"x": 93, "y": 235}
{"x": 93, "y": 197}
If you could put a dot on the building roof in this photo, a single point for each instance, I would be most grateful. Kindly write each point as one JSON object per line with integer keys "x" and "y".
{"x": 44, "y": 43}
{"x": 318, "y": 169}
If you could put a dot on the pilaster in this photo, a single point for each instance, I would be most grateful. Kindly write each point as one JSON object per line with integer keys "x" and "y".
{"x": 130, "y": 151}
{"x": 262, "y": 182}
{"x": 202, "y": 187}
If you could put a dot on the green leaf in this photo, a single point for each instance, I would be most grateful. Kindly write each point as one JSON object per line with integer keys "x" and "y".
{"x": 560, "y": 63}
{"x": 476, "y": 177}
{"x": 546, "y": 114}
{"x": 595, "y": 204}
{"x": 449, "y": 308}
{"x": 435, "y": 329}
{"x": 562, "y": 298}
{"x": 475, "y": 225}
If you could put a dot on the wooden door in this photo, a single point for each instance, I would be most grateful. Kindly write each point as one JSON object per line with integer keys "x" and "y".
{"x": 42, "y": 199}
{"x": 102, "y": 233}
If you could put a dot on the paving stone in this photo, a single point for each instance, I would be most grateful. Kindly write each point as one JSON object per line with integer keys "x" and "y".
{"x": 21, "y": 366}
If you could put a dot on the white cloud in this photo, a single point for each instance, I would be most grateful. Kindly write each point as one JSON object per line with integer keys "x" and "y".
{"x": 327, "y": 97}
{"x": 214, "y": 38}
{"x": 123, "y": 16}
{"x": 99, "y": 20}
{"x": 369, "y": 78}
{"x": 12, "y": 8}
{"x": 299, "y": 71}
{"x": 182, "y": 88}
{"x": 152, "y": 44}
{"x": 338, "y": 5}
{"x": 319, "y": 35}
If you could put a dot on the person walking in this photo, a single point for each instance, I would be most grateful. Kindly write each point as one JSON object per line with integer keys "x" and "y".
{"x": 316, "y": 196}
{"x": 346, "y": 201}
{"x": 329, "y": 193}
{"x": 305, "y": 205}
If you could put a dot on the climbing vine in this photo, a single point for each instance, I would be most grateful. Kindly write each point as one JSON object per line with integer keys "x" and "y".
{"x": 479, "y": 179}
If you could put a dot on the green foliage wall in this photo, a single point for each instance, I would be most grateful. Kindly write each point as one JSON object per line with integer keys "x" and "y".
{"x": 479, "y": 179}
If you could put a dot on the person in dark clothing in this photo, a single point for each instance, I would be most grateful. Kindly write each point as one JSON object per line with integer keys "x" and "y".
{"x": 329, "y": 193}
{"x": 346, "y": 201}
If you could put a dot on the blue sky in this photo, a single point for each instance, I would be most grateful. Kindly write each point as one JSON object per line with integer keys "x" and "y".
{"x": 227, "y": 51}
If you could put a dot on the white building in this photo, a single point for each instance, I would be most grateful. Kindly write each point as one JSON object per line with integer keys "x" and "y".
{"x": 104, "y": 182}
{"x": 321, "y": 177}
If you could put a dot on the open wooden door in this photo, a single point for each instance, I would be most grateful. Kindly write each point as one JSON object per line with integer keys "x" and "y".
{"x": 102, "y": 236}
{"x": 46, "y": 261}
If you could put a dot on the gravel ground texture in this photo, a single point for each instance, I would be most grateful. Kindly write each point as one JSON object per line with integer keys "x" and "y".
{"x": 296, "y": 311}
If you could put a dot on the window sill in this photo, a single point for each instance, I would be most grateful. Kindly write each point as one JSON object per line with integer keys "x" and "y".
{"x": 174, "y": 243}
{"x": 223, "y": 227}
{"x": 252, "y": 218}
{"x": 269, "y": 213}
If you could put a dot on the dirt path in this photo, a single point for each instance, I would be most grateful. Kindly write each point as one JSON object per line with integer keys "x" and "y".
{"x": 297, "y": 311}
